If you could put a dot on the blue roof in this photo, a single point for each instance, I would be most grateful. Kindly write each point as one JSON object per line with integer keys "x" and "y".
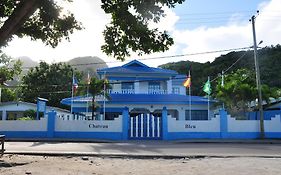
{"x": 144, "y": 99}
{"x": 136, "y": 67}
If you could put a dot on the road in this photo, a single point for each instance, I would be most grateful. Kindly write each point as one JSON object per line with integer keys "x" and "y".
{"x": 148, "y": 148}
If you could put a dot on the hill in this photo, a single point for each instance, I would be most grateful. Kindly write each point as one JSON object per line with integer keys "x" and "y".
{"x": 87, "y": 64}
{"x": 83, "y": 64}
{"x": 269, "y": 61}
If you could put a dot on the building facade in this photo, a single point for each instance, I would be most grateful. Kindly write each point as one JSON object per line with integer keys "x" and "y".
{"x": 144, "y": 90}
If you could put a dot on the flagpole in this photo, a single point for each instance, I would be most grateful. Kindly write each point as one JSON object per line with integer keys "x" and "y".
{"x": 87, "y": 107}
{"x": 222, "y": 84}
{"x": 104, "y": 96}
{"x": 189, "y": 98}
{"x": 71, "y": 110}
{"x": 208, "y": 101}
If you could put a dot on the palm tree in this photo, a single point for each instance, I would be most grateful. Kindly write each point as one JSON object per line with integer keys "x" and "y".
{"x": 98, "y": 87}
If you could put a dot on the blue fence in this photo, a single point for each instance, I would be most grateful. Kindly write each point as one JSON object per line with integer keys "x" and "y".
{"x": 149, "y": 127}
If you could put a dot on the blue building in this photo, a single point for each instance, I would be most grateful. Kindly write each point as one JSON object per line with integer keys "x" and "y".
{"x": 145, "y": 103}
{"x": 144, "y": 90}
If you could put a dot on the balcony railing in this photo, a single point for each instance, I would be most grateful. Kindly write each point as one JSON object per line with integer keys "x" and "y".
{"x": 121, "y": 91}
{"x": 157, "y": 91}
{"x": 132, "y": 91}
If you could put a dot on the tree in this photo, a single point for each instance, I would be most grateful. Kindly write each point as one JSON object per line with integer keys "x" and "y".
{"x": 240, "y": 89}
{"x": 8, "y": 68}
{"x": 39, "y": 19}
{"x": 97, "y": 88}
{"x": 53, "y": 82}
{"x": 269, "y": 59}
{"x": 128, "y": 30}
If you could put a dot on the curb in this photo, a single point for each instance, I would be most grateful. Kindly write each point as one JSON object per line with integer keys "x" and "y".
{"x": 137, "y": 156}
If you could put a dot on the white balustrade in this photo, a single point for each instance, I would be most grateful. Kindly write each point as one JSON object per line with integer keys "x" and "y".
{"x": 132, "y": 91}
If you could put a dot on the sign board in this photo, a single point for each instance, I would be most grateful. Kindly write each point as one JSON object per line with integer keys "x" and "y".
{"x": 41, "y": 106}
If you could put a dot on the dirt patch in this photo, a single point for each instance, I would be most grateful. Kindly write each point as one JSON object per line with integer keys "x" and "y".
{"x": 48, "y": 165}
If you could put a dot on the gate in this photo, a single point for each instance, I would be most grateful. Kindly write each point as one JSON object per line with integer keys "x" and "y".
{"x": 145, "y": 126}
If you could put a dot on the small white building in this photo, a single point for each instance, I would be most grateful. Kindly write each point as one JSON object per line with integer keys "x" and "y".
{"x": 15, "y": 109}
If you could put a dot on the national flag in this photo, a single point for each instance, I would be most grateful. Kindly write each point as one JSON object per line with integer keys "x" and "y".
{"x": 187, "y": 82}
{"x": 207, "y": 87}
{"x": 74, "y": 84}
{"x": 88, "y": 81}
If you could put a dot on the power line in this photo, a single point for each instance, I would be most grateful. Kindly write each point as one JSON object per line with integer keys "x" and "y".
{"x": 161, "y": 57}
{"x": 216, "y": 13}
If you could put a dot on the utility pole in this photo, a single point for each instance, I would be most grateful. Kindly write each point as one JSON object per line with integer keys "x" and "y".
{"x": 258, "y": 78}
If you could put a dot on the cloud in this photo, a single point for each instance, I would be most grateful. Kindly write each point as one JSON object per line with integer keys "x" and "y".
{"x": 236, "y": 34}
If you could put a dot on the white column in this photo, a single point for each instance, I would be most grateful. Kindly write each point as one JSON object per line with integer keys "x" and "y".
{"x": 137, "y": 87}
{"x": 181, "y": 114}
{"x": 169, "y": 86}
{"x": 4, "y": 115}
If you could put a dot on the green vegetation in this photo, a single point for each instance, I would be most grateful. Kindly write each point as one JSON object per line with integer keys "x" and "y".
{"x": 239, "y": 90}
{"x": 9, "y": 69}
{"x": 128, "y": 30}
{"x": 240, "y": 83}
{"x": 40, "y": 20}
{"x": 269, "y": 60}
{"x": 96, "y": 88}
{"x": 52, "y": 82}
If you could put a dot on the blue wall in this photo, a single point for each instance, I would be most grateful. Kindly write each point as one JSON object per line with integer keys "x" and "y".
{"x": 223, "y": 134}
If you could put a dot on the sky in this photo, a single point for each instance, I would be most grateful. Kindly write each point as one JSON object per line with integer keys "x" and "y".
{"x": 197, "y": 26}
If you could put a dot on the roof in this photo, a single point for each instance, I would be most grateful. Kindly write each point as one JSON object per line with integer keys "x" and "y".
{"x": 143, "y": 99}
{"x": 136, "y": 67}
{"x": 31, "y": 104}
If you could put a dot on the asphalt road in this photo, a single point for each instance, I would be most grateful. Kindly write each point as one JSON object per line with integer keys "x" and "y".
{"x": 147, "y": 148}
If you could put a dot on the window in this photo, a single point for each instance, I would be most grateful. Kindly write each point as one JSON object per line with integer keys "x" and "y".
{"x": 176, "y": 90}
{"x": 196, "y": 115}
{"x": 174, "y": 113}
{"x": 112, "y": 115}
{"x": 153, "y": 87}
{"x": 128, "y": 85}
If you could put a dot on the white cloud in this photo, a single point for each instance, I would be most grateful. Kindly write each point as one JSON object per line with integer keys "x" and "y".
{"x": 235, "y": 34}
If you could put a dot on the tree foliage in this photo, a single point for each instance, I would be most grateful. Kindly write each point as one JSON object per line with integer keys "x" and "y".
{"x": 97, "y": 88}
{"x": 53, "y": 82}
{"x": 269, "y": 61}
{"x": 128, "y": 30}
{"x": 39, "y": 19}
{"x": 8, "y": 68}
{"x": 8, "y": 95}
{"x": 239, "y": 90}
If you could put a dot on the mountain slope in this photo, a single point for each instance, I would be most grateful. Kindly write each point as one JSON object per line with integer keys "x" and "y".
{"x": 269, "y": 62}
{"x": 87, "y": 64}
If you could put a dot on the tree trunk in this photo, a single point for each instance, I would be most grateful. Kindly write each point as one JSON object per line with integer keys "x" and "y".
{"x": 93, "y": 108}
{"x": 21, "y": 13}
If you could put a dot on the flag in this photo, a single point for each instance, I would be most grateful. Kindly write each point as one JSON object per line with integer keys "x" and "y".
{"x": 187, "y": 82}
{"x": 207, "y": 87}
{"x": 74, "y": 84}
{"x": 88, "y": 81}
